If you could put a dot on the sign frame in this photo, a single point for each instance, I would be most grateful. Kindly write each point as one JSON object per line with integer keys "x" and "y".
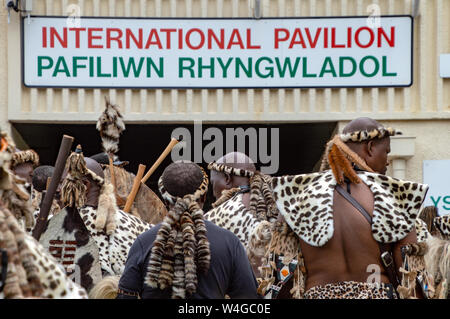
{"x": 181, "y": 87}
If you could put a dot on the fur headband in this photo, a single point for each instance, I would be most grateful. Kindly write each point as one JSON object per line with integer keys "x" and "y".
{"x": 171, "y": 200}
{"x": 26, "y": 156}
{"x": 365, "y": 135}
{"x": 73, "y": 191}
{"x": 230, "y": 170}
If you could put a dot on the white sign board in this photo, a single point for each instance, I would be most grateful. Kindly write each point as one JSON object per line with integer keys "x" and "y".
{"x": 217, "y": 53}
{"x": 437, "y": 175}
{"x": 444, "y": 65}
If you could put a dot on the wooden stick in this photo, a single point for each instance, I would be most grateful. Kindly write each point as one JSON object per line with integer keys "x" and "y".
{"x": 49, "y": 179}
{"x": 64, "y": 150}
{"x": 161, "y": 158}
{"x": 135, "y": 188}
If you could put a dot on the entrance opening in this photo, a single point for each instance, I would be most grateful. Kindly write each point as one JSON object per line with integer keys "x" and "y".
{"x": 283, "y": 149}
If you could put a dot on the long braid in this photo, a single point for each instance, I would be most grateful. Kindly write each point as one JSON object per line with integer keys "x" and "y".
{"x": 181, "y": 246}
{"x": 262, "y": 204}
{"x": 190, "y": 269}
{"x": 166, "y": 275}
{"x": 158, "y": 249}
{"x": 178, "y": 288}
{"x": 203, "y": 256}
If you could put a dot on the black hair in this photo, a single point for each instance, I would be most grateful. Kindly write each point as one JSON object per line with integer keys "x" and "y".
{"x": 181, "y": 178}
{"x": 101, "y": 158}
{"x": 40, "y": 175}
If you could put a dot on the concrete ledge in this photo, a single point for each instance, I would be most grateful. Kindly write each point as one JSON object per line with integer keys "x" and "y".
{"x": 402, "y": 147}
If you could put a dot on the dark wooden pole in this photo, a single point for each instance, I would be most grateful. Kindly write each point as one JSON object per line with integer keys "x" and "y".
{"x": 64, "y": 150}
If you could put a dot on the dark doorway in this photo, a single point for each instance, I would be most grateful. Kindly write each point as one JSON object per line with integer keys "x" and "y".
{"x": 300, "y": 145}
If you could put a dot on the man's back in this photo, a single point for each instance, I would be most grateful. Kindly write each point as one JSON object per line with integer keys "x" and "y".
{"x": 348, "y": 254}
{"x": 229, "y": 272}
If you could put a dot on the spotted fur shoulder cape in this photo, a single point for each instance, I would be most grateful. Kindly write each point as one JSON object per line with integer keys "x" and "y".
{"x": 442, "y": 223}
{"x": 306, "y": 202}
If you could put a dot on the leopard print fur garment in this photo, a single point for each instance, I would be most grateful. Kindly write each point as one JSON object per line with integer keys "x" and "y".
{"x": 113, "y": 249}
{"x": 50, "y": 275}
{"x": 234, "y": 216}
{"x": 54, "y": 280}
{"x": 422, "y": 231}
{"x": 306, "y": 203}
{"x": 442, "y": 223}
{"x": 351, "y": 290}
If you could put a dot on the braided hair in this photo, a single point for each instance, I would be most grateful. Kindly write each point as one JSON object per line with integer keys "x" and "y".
{"x": 181, "y": 248}
{"x": 262, "y": 204}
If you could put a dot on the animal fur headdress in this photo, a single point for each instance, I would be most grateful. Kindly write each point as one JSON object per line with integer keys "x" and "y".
{"x": 181, "y": 248}
{"x": 262, "y": 204}
{"x": 25, "y": 156}
{"x": 230, "y": 170}
{"x": 110, "y": 124}
{"x": 340, "y": 158}
{"x": 73, "y": 191}
{"x": 366, "y": 135}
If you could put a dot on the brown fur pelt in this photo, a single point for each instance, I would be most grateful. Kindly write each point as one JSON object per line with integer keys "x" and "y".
{"x": 12, "y": 191}
{"x": 339, "y": 157}
{"x": 106, "y": 210}
{"x": 73, "y": 192}
{"x": 283, "y": 242}
{"x": 413, "y": 267}
{"x": 437, "y": 260}
{"x": 22, "y": 279}
{"x": 17, "y": 201}
{"x": 428, "y": 214}
{"x": 110, "y": 124}
{"x": 25, "y": 156}
{"x": 106, "y": 288}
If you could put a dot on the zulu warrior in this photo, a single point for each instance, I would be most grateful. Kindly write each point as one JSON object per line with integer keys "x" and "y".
{"x": 186, "y": 256}
{"x": 27, "y": 269}
{"x": 23, "y": 163}
{"x": 90, "y": 224}
{"x": 244, "y": 204}
{"x": 349, "y": 220}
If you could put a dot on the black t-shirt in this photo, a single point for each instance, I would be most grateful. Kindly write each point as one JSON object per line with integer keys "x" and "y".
{"x": 229, "y": 273}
